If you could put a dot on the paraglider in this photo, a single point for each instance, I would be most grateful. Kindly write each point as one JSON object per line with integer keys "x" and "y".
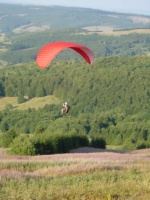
{"x": 48, "y": 52}
{"x": 65, "y": 108}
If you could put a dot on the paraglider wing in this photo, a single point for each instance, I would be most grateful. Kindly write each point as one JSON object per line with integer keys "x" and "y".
{"x": 48, "y": 52}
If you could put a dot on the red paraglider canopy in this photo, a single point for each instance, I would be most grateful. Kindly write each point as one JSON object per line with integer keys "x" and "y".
{"x": 50, "y": 50}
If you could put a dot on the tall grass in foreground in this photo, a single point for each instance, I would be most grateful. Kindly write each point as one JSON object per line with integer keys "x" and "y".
{"x": 91, "y": 176}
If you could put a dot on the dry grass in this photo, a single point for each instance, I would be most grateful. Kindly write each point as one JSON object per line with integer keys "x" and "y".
{"x": 30, "y": 28}
{"x": 37, "y": 102}
{"x": 119, "y": 33}
{"x": 73, "y": 163}
{"x": 111, "y": 31}
{"x": 103, "y": 175}
{"x": 2, "y": 151}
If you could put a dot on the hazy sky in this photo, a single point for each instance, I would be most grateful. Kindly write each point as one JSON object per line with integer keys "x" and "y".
{"x": 129, "y": 6}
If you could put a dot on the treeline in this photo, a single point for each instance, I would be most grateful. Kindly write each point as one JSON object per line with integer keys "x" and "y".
{"x": 14, "y": 16}
{"x": 39, "y": 144}
{"x": 23, "y": 48}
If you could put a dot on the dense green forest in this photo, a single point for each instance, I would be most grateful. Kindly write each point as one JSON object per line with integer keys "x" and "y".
{"x": 23, "y": 47}
{"x": 109, "y": 100}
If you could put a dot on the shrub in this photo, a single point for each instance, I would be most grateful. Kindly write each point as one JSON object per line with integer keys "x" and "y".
{"x": 22, "y": 145}
{"x": 58, "y": 143}
{"x": 98, "y": 142}
{"x": 7, "y": 137}
{"x": 142, "y": 145}
{"x": 8, "y": 106}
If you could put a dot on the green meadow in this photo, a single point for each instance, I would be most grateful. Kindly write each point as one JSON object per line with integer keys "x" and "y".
{"x": 36, "y": 102}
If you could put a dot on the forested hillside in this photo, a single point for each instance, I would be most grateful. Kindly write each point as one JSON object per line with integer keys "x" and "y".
{"x": 24, "y": 47}
{"x": 25, "y": 29}
{"x": 109, "y": 99}
{"x": 20, "y": 18}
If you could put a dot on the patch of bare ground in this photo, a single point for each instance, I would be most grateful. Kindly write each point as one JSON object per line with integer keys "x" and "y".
{"x": 100, "y": 28}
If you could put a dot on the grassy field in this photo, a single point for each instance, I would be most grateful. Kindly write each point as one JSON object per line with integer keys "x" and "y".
{"x": 111, "y": 31}
{"x": 30, "y": 28}
{"x": 37, "y": 102}
{"x": 119, "y": 33}
{"x": 103, "y": 175}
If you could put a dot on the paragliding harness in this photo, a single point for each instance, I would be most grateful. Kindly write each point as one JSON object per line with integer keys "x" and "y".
{"x": 65, "y": 109}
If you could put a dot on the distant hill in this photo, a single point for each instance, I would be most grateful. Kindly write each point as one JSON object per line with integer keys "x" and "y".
{"x": 25, "y": 29}
{"x": 22, "y": 48}
{"x": 22, "y": 18}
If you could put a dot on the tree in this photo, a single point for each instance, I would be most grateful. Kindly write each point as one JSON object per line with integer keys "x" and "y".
{"x": 8, "y": 137}
{"x": 21, "y": 98}
{"x": 22, "y": 145}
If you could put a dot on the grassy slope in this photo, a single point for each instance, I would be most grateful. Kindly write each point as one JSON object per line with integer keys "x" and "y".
{"x": 127, "y": 32}
{"x": 37, "y": 102}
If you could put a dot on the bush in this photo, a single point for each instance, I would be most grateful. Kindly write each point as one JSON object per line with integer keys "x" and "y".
{"x": 98, "y": 142}
{"x": 58, "y": 143}
{"x": 8, "y": 137}
{"x": 21, "y": 98}
{"x": 142, "y": 145}
{"x": 8, "y": 106}
{"x": 42, "y": 144}
{"x": 22, "y": 145}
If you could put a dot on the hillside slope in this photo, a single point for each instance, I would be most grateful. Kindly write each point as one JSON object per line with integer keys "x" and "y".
{"x": 25, "y": 29}
{"x": 110, "y": 98}
{"x": 22, "y": 18}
